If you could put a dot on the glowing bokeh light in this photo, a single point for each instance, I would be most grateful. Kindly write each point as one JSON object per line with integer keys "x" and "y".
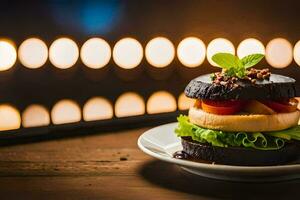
{"x": 129, "y": 104}
{"x": 160, "y": 52}
{"x": 219, "y": 45}
{"x": 128, "y": 53}
{"x": 250, "y": 46}
{"x": 65, "y": 111}
{"x": 33, "y": 53}
{"x": 97, "y": 108}
{"x": 184, "y": 103}
{"x": 191, "y": 52}
{"x": 95, "y": 53}
{"x": 8, "y": 55}
{"x": 35, "y": 115}
{"x": 9, "y": 118}
{"x": 63, "y": 53}
{"x": 297, "y": 53}
{"x": 161, "y": 102}
{"x": 279, "y": 53}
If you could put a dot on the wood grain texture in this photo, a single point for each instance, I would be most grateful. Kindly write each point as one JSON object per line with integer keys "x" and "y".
{"x": 110, "y": 166}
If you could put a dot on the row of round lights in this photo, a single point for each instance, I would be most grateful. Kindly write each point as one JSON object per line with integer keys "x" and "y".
{"x": 97, "y": 108}
{"x": 128, "y": 52}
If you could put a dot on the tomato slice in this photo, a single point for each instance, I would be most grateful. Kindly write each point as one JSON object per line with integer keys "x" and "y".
{"x": 222, "y": 107}
{"x": 198, "y": 104}
{"x": 283, "y": 106}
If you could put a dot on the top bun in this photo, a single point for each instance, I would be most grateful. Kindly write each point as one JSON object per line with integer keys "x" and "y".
{"x": 276, "y": 87}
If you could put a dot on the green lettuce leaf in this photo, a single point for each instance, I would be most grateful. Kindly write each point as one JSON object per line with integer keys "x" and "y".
{"x": 288, "y": 134}
{"x": 225, "y": 139}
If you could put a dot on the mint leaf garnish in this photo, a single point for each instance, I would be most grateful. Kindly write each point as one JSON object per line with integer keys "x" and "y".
{"x": 227, "y": 60}
{"x": 251, "y": 60}
{"x": 212, "y": 76}
{"x": 235, "y": 67}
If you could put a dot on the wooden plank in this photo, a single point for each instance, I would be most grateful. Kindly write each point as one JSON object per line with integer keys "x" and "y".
{"x": 110, "y": 166}
{"x": 85, "y": 188}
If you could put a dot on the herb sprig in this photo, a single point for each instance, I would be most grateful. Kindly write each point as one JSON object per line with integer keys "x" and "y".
{"x": 234, "y": 66}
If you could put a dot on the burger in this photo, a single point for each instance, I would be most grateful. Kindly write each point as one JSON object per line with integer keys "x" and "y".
{"x": 241, "y": 116}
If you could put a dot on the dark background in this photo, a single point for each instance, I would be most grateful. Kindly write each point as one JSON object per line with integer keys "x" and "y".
{"x": 143, "y": 20}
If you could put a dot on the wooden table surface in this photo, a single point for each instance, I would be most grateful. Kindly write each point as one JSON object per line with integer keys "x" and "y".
{"x": 110, "y": 166}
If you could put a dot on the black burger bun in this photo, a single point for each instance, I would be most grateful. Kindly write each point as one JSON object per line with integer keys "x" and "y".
{"x": 276, "y": 87}
{"x": 240, "y": 156}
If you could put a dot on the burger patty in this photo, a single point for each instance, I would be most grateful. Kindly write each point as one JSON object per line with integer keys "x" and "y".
{"x": 245, "y": 123}
{"x": 277, "y": 87}
{"x": 239, "y": 155}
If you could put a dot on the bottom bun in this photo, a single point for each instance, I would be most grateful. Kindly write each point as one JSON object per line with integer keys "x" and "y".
{"x": 239, "y": 155}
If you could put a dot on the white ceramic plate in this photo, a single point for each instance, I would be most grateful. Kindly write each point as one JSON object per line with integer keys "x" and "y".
{"x": 161, "y": 142}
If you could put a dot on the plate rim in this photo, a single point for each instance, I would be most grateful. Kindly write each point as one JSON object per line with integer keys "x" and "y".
{"x": 198, "y": 165}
